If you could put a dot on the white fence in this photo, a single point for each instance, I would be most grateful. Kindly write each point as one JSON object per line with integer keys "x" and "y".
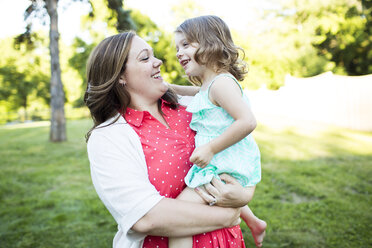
{"x": 338, "y": 100}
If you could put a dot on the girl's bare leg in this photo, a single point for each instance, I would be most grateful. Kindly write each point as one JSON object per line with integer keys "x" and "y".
{"x": 256, "y": 225}
{"x": 189, "y": 195}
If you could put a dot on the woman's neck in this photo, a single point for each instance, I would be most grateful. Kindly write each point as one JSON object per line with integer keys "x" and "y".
{"x": 141, "y": 105}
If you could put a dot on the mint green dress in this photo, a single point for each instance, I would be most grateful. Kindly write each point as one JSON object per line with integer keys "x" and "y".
{"x": 241, "y": 160}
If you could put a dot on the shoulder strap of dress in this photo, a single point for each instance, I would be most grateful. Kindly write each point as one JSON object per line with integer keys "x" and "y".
{"x": 225, "y": 75}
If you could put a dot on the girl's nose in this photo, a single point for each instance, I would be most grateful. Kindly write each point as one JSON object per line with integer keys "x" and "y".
{"x": 179, "y": 54}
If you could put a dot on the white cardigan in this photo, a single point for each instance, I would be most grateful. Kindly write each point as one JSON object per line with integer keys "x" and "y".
{"x": 120, "y": 177}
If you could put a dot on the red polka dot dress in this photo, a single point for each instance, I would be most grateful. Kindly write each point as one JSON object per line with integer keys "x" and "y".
{"x": 167, "y": 152}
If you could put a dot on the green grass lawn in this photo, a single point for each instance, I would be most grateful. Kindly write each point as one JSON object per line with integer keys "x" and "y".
{"x": 315, "y": 191}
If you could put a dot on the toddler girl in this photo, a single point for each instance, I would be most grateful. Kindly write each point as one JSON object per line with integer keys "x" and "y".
{"x": 221, "y": 114}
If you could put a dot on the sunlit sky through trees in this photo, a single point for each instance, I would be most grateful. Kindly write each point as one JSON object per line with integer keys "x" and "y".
{"x": 240, "y": 15}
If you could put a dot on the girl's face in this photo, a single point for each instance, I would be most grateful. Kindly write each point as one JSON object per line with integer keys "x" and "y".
{"x": 142, "y": 76}
{"x": 185, "y": 55}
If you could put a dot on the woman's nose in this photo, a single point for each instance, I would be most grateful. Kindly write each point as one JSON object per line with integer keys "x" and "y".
{"x": 158, "y": 62}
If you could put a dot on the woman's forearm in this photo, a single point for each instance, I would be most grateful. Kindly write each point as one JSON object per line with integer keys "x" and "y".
{"x": 175, "y": 218}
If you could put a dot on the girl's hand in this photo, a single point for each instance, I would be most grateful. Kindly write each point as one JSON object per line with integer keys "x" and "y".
{"x": 228, "y": 194}
{"x": 202, "y": 155}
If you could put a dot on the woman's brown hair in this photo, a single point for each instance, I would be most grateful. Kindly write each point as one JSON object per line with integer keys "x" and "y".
{"x": 104, "y": 95}
{"x": 216, "y": 48}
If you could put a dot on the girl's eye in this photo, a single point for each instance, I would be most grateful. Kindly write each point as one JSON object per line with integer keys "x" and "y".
{"x": 145, "y": 58}
{"x": 185, "y": 44}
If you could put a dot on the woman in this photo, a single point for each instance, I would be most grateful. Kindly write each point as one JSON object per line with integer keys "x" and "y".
{"x": 139, "y": 150}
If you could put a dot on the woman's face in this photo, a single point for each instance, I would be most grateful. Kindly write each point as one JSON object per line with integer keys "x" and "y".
{"x": 185, "y": 55}
{"x": 142, "y": 74}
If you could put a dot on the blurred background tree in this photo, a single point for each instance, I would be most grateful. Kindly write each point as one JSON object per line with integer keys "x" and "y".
{"x": 47, "y": 11}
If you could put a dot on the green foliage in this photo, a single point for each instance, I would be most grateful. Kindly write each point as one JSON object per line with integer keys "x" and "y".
{"x": 78, "y": 62}
{"x": 339, "y": 31}
{"x": 23, "y": 83}
{"x": 16, "y": 87}
{"x": 315, "y": 189}
{"x": 124, "y": 20}
{"x": 347, "y": 41}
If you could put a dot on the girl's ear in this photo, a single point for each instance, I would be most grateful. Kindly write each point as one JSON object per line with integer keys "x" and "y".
{"x": 122, "y": 80}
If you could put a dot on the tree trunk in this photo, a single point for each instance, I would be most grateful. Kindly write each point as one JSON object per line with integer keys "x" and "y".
{"x": 25, "y": 108}
{"x": 58, "y": 121}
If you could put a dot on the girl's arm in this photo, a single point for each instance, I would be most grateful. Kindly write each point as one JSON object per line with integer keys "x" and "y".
{"x": 184, "y": 90}
{"x": 227, "y": 94}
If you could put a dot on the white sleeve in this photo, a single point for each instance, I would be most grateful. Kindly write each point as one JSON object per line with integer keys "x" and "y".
{"x": 120, "y": 177}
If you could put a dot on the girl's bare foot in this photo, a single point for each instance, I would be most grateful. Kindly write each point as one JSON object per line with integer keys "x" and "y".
{"x": 258, "y": 232}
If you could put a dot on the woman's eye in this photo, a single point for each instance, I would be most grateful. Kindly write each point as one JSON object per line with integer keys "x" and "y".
{"x": 145, "y": 58}
{"x": 185, "y": 44}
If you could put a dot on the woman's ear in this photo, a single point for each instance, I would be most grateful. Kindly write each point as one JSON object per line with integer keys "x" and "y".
{"x": 122, "y": 80}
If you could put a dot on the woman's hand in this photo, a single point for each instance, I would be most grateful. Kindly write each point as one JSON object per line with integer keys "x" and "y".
{"x": 228, "y": 194}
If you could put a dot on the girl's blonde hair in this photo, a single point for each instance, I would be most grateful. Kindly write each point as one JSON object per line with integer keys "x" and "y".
{"x": 216, "y": 48}
{"x": 104, "y": 95}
